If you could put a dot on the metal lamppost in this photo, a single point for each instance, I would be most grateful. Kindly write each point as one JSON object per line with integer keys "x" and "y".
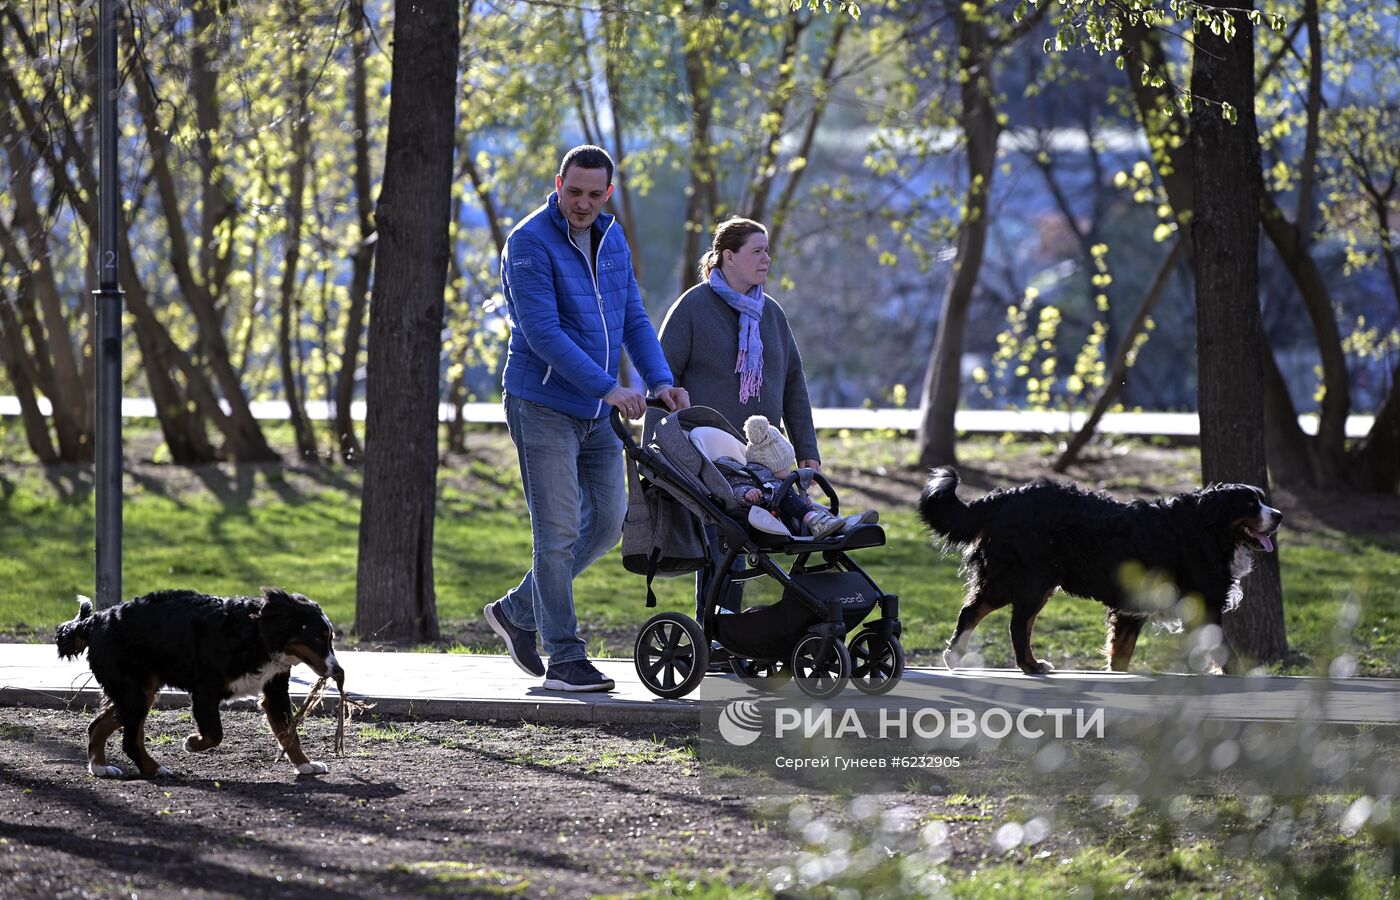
{"x": 108, "y": 297}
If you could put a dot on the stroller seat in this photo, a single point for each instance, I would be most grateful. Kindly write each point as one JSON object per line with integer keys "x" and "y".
{"x": 766, "y": 528}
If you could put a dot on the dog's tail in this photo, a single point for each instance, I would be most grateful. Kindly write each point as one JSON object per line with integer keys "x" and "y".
{"x": 942, "y": 511}
{"x": 72, "y": 636}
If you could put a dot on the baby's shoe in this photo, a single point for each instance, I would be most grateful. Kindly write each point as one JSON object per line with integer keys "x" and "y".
{"x": 820, "y": 522}
{"x": 869, "y": 517}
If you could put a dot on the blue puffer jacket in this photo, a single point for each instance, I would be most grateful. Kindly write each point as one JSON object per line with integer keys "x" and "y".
{"x": 567, "y": 331}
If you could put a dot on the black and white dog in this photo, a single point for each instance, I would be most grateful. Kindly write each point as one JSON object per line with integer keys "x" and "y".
{"x": 1020, "y": 544}
{"x": 216, "y": 648}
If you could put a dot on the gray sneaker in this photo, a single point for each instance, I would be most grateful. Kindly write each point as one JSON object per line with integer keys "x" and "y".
{"x": 520, "y": 643}
{"x": 869, "y": 517}
{"x": 820, "y": 522}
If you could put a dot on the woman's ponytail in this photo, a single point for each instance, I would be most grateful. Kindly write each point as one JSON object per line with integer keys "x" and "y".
{"x": 709, "y": 261}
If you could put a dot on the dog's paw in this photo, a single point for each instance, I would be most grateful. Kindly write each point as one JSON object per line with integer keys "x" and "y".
{"x": 1041, "y": 667}
{"x": 105, "y": 771}
{"x": 311, "y": 767}
{"x": 161, "y": 772}
{"x": 198, "y": 743}
{"x": 952, "y": 660}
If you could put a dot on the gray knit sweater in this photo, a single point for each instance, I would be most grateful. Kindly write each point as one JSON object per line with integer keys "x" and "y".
{"x": 700, "y": 338}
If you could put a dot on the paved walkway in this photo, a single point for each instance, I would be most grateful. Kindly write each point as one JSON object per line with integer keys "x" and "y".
{"x": 491, "y": 687}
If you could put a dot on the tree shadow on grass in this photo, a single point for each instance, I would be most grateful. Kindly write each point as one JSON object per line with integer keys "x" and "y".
{"x": 72, "y": 483}
{"x": 331, "y": 476}
{"x": 156, "y": 487}
{"x": 234, "y": 489}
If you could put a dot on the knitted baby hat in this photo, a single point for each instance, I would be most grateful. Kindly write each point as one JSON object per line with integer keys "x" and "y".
{"x": 767, "y": 446}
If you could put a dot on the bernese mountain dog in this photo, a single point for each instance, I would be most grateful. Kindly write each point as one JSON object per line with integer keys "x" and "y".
{"x": 216, "y": 648}
{"x": 1020, "y": 544}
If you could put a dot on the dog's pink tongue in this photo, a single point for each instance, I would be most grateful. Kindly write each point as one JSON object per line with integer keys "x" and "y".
{"x": 1267, "y": 544}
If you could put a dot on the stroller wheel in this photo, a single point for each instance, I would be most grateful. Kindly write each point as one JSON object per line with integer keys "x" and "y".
{"x": 821, "y": 672}
{"x": 672, "y": 654}
{"x": 877, "y": 662}
{"x": 763, "y": 676}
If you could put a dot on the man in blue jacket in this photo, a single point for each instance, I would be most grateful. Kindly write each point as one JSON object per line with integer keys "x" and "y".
{"x": 574, "y": 304}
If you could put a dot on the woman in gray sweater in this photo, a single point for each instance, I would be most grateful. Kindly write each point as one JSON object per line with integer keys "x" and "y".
{"x": 730, "y": 345}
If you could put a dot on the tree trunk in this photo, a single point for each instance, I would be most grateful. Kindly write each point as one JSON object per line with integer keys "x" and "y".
{"x": 1377, "y": 462}
{"x": 703, "y": 197}
{"x": 363, "y": 259}
{"x": 244, "y": 439}
{"x": 21, "y": 371}
{"x": 1329, "y": 446}
{"x": 1228, "y": 187}
{"x": 395, "y": 597}
{"x": 457, "y": 368}
{"x": 1295, "y": 457}
{"x": 823, "y": 88}
{"x": 779, "y": 96}
{"x": 53, "y": 343}
{"x": 182, "y": 428}
{"x": 1287, "y": 447}
{"x": 216, "y": 206}
{"x": 288, "y": 328}
{"x": 457, "y": 401}
{"x": 943, "y": 381}
{"x": 614, "y": 34}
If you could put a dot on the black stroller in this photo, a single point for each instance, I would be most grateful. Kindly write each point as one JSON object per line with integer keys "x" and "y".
{"x": 675, "y": 490}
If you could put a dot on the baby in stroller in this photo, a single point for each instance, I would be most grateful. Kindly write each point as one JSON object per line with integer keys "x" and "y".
{"x": 756, "y": 480}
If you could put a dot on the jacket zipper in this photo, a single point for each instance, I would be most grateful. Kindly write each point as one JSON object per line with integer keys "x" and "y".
{"x": 597, "y": 295}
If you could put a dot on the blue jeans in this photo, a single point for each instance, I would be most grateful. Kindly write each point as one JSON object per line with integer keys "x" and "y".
{"x": 576, "y": 489}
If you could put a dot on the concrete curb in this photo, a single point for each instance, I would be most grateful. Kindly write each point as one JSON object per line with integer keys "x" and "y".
{"x": 544, "y": 712}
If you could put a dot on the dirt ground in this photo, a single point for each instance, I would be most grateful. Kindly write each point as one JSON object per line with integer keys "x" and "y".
{"x": 450, "y": 808}
{"x": 441, "y": 807}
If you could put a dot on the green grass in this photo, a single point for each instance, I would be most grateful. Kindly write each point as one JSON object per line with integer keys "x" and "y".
{"x": 1218, "y": 845}
{"x": 706, "y": 887}
{"x": 19, "y": 734}
{"x": 593, "y": 761}
{"x": 450, "y": 876}
{"x": 390, "y": 733}
{"x": 1195, "y": 870}
{"x": 230, "y": 533}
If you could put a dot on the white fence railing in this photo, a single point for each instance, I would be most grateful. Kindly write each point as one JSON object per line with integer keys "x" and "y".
{"x": 993, "y": 421}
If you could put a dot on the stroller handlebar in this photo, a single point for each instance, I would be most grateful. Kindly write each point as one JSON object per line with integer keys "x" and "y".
{"x": 798, "y": 475}
{"x": 828, "y": 490}
{"x": 619, "y": 425}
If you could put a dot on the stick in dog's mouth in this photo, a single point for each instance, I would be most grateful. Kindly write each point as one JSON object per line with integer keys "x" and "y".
{"x": 344, "y": 709}
{"x": 341, "y": 711}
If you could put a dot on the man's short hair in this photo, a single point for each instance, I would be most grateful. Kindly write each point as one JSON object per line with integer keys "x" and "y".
{"x": 587, "y": 156}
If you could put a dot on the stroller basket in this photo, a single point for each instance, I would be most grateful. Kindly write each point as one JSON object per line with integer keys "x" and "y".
{"x": 769, "y": 633}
